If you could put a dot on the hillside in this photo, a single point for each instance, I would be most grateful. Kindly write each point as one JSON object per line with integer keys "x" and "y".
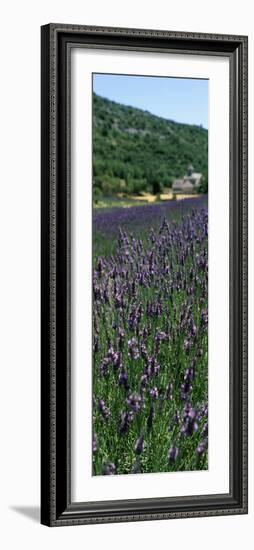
{"x": 136, "y": 151}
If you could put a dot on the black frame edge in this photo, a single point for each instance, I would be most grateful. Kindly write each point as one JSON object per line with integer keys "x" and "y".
{"x": 55, "y": 508}
{"x": 45, "y": 268}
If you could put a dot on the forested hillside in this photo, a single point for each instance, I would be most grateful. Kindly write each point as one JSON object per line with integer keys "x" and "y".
{"x": 135, "y": 151}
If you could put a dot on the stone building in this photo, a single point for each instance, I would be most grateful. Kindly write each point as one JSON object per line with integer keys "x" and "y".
{"x": 190, "y": 183}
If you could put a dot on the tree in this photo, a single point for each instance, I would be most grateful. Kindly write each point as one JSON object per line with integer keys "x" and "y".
{"x": 153, "y": 178}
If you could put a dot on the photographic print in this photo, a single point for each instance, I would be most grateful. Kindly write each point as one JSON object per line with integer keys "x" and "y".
{"x": 150, "y": 274}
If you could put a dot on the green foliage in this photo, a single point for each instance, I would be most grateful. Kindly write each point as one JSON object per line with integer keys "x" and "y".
{"x": 204, "y": 184}
{"x": 135, "y": 151}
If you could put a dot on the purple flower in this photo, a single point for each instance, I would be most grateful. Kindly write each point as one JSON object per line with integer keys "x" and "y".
{"x": 193, "y": 330}
{"x": 134, "y": 401}
{"x": 143, "y": 381}
{"x": 125, "y": 421}
{"x": 152, "y": 367}
{"x": 114, "y": 357}
{"x": 121, "y": 335}
{"x": 201, "y": 448}
{"x": 133, "y": 351}
{"x": 143, "y": 351}
{"x": 104, "y": 366}
{"x": 139, "y": 445}
{"x": 154, "y": 394}
{"x": 204, "y": 432}
{"x": 123, "y": 379}
{"x": 204, "y": 318}
{"x": 174, "y": 422}
{"x": 161, "y": 336}
{"x": 109, "y": 469}
{"x": 172, "y": 454}
{"x": 187, "y": 346}
{"x": 94, "y": 443}
{"x": 190, "y": 424}
{"x": 185, "y": 389}
{"x": 103, "y": 409}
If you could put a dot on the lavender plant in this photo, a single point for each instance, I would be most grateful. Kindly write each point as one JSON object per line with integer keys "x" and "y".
{"x": 150, "y": 339}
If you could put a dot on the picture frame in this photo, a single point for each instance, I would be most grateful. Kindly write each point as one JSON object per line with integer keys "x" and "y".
{"x": 57, "y": 507}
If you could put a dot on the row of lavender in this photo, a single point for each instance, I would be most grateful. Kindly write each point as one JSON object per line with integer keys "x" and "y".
{"x": 150, "y": 346}
{"x": 138, "y": 220}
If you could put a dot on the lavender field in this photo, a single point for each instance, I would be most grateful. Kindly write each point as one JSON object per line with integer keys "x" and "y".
{"x": 150, "y": 338}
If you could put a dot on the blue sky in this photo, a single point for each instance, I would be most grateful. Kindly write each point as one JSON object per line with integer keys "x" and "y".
{"x": 180, "y": 99}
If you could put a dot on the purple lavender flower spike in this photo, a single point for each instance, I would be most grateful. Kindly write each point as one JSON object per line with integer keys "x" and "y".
{"x": 201, "y": 448}
{"x": 133, "y": 351}
{"x": 123, "y": 379}
{"x": 139, "y": 445}
{"x": 154, "y": 394}
{"x": 109, "y": 469}
{"x": 94, "y": 443}
{"x": 125, "y": 421}
{"x": 204, "y": 432}
{"x": 172, "y": 454}
{"x": 187, "y": 346}
{"x": 174, "y": 422}
{"x": 190, "y": 424}
{"x": 204, "y": 318}
{"x": 143, "y": 381}
{"x": 121, "y": 335}
{"x": 104, "y": 366}
{"x": 103, "y": 409}
{"x": 134, "y": 401}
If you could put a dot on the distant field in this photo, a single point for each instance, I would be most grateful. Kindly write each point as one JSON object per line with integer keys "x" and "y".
{"x": 135, "y": 200}
{"x": 117, "y": 202}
